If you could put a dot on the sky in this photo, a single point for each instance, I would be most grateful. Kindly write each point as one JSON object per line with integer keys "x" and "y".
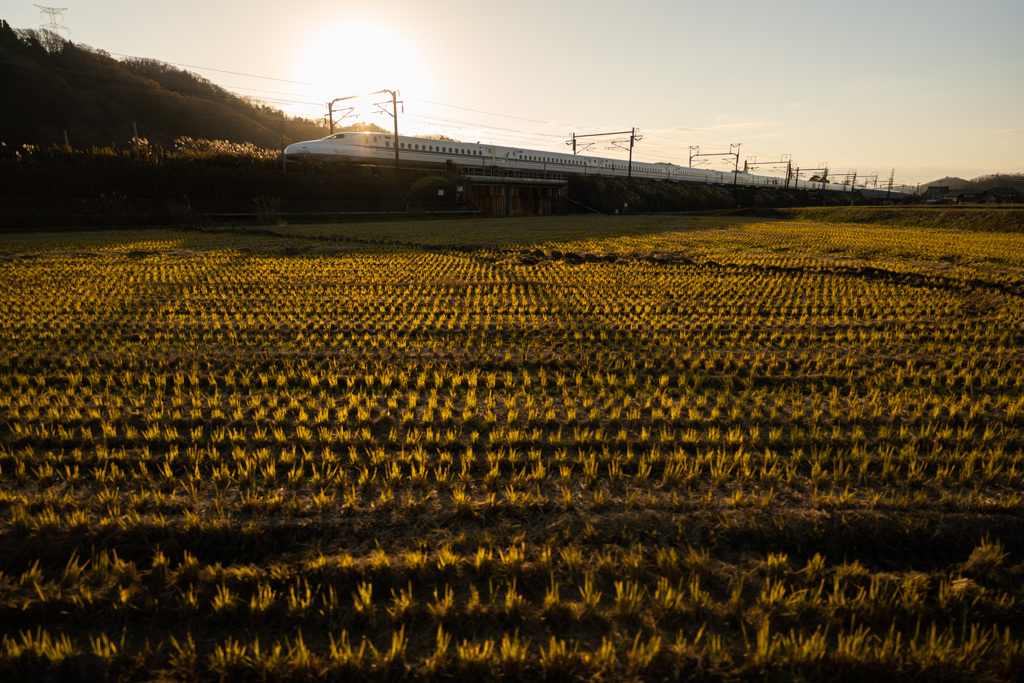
{"x": 921, "y": 89}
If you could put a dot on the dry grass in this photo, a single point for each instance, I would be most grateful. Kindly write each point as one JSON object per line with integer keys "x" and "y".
{"x": 575, "y": 448}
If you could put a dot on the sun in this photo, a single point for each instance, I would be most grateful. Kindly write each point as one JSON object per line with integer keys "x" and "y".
{"x": 359, "y": 58}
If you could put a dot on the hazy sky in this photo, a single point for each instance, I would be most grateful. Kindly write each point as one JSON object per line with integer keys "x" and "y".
{"x": 931, "y": 88}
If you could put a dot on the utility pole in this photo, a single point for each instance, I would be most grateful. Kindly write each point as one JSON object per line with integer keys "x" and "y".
{"x": 845, "y": 179}
{"x": 633, "y": 138}
{"x": 822, "y": 168}
{"x": 380, "y": 105}
{"x": 330, "y": 113}
{"x": 888, "y": 191}
{"x": 787, "y": 159}
{"x": 573, "y": 142}
{"x": 394, "y": 115}
{"x": 695, "y": 152}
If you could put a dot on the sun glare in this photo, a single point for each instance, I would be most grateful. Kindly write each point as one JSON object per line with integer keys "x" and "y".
{"x": 356, "y": 59}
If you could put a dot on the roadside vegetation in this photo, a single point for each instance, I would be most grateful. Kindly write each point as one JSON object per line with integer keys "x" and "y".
{"x": 591, "y": 447}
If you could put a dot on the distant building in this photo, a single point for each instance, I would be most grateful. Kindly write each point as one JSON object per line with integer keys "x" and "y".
{"x": 964, "y": 196}
{"x": 1006, "y": 195}
{"x": 935, "y": 193}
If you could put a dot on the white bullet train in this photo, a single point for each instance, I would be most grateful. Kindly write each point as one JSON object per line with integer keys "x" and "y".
{"x": 378, "y": 149}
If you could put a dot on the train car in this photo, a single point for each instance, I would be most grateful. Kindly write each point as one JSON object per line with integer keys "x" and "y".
{"x": 379, "y": 148}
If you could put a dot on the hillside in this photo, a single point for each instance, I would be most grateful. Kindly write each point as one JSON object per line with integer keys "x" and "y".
{"x": 984, "y": 182}
{"x": 94, "y": 98}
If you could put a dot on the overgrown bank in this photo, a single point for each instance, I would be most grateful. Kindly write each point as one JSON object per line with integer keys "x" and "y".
{"x": 1002, "y": 219}
{"x": 62, "y": 187}
{"x": 610, "y": 195}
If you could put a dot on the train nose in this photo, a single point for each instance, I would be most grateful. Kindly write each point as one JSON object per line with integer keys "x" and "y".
{"x": 296, "y": 148}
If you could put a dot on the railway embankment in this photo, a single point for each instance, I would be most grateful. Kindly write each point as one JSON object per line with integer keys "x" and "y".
{"x": 618, "y": 195}
{"x": 63, "y": 188}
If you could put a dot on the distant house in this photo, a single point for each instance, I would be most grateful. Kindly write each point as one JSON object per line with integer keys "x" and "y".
{"x": 935, "y": 193}
{"x": 964, "y": 196}
{"x": 1006, "y": 195}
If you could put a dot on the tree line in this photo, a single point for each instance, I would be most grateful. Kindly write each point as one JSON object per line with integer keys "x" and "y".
{"x": 63, "y": 93}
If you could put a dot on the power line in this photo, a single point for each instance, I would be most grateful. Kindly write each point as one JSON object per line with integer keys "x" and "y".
{"x": 489, "y": 113}
{"x": 659, "y": 151}
{"x": 226, "y": 95}
{"x": 489, "y": 128}
{"x": 223, "y": 71}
